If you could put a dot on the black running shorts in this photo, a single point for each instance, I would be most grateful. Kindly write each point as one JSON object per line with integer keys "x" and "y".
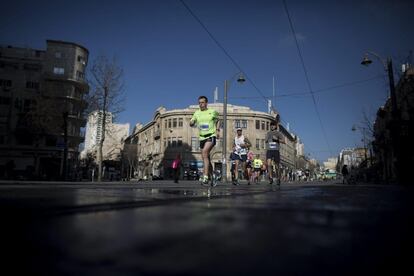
{"x": 274, "y": 155}
{"x": 209, "y": 139}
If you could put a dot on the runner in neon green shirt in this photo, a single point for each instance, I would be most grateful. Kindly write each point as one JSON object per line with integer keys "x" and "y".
{"x": 207, "y": 122}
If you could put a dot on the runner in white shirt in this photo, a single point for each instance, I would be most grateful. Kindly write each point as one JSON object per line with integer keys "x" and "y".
{"x": 240, "y": 148}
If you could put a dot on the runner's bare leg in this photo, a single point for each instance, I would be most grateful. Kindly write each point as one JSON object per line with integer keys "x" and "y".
{"x": 205, "y": 154}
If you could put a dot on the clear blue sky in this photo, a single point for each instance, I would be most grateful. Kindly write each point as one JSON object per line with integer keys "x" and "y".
{"x": 169, "y": 59}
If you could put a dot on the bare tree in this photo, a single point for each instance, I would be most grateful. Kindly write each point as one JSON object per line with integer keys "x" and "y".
{"x": 366, "y": 128}
{"x": 130, "y": 158}
{"x": 106, "y": 82}
{"x": 367, "y": 123}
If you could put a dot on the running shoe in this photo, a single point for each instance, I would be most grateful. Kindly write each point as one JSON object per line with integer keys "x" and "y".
{"x": 203, "y": 179}
{"x": 214, "y": 181}
{"x": 271, "y": 180}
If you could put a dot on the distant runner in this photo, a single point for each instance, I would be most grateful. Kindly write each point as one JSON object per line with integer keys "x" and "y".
{"x": 273, "y": 139}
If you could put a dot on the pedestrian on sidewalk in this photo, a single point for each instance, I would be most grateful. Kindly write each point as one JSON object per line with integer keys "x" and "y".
{"x": 345, "y": 174}
{"x": 176, "y": 166}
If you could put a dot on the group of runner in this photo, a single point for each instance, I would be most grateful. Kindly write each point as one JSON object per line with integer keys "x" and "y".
{"x": 207, "y": 121}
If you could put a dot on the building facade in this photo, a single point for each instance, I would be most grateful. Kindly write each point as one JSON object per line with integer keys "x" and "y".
{"x": 394, "y": 154}
{"x": 41, "y": 109}
{"x": 169, "y": 134}
{"x": 115, "y": 135}
{"x": 93, "y": 133}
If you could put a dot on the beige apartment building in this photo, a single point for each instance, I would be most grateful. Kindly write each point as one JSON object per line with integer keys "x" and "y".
{"x": 41, "y": 109}
{"x": 115, "y": 135}
{"x": 169, "y": 134}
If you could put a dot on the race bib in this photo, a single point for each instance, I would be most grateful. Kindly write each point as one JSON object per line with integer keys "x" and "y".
{"x": 272, "y": 145}
{"x": 204, "y": 126}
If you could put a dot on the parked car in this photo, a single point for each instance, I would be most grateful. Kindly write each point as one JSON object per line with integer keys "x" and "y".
{"x": 329, "y": 174}
{"x": 191, "y": 174}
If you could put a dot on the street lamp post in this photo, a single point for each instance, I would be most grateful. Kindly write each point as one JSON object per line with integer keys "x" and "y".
{"x": 388, "y": 68}
{"x": 224, "y": 152}
{"x": 394, "y": 107}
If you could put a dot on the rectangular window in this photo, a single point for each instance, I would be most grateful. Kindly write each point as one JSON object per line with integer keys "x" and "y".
{"x": 5, "y": 83}
{"x": 174, "y": 142}
{"x": 169, "y": 141}
{"x": 244, "y": 123}
{"x": 165, "y": 142}
{"x": 174, "y": 122}
{"x": 237, "y": 124}
{"x": 58, "y": 71}
{"x": 32, "y": 85}
{"x": 263, "y": 143}
{"x": 166, "y": 124}
{"x": 257, "y": 124}
{"x": 82, "y": 60}
{"x": 180, "y": 122}
{"x": 180, "y": 142}
{"x": 267, "y": 126}
{"x": 58, "y": 55}
{"x": 78, "y": 93}
{"x": 257, "y": 144}
{"x": 80, "y": 75}
{"x": 26, "y": 105}
{"x": 263, "y": 125}
{"x": 169, "y": 123}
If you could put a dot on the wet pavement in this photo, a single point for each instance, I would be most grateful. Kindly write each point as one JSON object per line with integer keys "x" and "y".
{"x": 162, "y": 228}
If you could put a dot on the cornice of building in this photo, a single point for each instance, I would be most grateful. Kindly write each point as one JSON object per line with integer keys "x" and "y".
{"x": 67, "y": 43}
{"x": 232, "y": 110}
{"x": 145, "y": 127}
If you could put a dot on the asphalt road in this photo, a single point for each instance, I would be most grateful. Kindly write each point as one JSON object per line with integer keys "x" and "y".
{"x": 162, "y": 228}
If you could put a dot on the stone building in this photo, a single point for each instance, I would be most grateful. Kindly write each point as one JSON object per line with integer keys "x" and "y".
{"x": 169, "y": 134}
{"x": 115, "y": 134}
{"x": 394, "y": 154}
{"x": 41, "y": 109}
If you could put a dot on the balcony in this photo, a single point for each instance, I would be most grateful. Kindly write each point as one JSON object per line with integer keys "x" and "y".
{"x": 78, "y": 82}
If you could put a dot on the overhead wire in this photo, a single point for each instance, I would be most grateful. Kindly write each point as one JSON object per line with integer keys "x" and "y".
{"x": 250, "y": 80}
{"x": 318, "y": 90}
{"x": 307, "y": 76}
{"x": 223, "y": 49}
